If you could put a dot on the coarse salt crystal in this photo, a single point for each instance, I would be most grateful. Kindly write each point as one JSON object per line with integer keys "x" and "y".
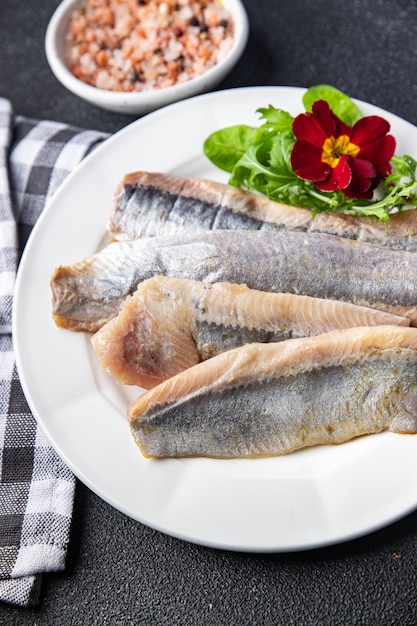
{"x": 147, "y": 46}
{"x": 173, "y": 50}
{"x": 87, "y": 63}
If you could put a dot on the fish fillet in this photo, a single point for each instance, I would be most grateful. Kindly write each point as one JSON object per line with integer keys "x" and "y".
{"x": 272, "y": 399}
{"x": 88, "y": 293}
{"x": 170, "y": 324}
{"x": 147, "y": 204}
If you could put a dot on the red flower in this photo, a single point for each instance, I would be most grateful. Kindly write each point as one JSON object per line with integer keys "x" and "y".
{"x": 335, "y": 156}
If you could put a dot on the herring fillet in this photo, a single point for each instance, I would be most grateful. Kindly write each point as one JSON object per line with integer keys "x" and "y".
{"x": 148, "y": 204}
{"x": 170, "y": 324}
{"x": 272, "y": 399}
{"x": 88, "y": 293}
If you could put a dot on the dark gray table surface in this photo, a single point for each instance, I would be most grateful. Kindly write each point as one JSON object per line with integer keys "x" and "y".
{"x": 121, "y": 572}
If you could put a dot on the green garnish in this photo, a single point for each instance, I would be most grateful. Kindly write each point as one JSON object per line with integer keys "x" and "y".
{"x": 259, "y": 159}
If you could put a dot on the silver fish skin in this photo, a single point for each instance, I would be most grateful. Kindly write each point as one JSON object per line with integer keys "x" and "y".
{"x": 271, "y": 399}
{"x": 88, "y": 293}
{"x": 148, "y": 204}
{"x": 170, "y": 324}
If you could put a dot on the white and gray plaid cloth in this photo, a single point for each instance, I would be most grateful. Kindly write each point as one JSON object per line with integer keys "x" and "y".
{"x": 36, "y": 488}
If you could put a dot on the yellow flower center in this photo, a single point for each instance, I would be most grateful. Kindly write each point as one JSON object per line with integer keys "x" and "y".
{"x": 335, "y": 147}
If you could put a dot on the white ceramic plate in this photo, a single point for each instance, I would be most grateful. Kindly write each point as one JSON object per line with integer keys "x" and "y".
{"x": 307, "y": 499}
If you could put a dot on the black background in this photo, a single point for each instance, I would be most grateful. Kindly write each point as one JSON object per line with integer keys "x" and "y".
{"x": 120, "y": 572}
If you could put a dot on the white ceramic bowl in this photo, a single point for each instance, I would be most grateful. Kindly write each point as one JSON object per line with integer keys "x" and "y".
{"x": 139, "y": 103}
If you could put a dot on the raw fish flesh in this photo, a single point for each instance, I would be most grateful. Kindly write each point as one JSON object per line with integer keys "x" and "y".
{"x": 88, "y": 293}
{"x": 271, "y": 399}
{"x": 170, "y": 324}
{"x": 147, "y": 204}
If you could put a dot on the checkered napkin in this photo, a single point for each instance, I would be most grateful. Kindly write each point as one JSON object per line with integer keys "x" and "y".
{"x": 36, "y": 488}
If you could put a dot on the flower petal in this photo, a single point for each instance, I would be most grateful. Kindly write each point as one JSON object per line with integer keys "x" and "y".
{"x": 362, "y": 168}
{"x": 383, "y": 170}
{"x": 369, "y": 129}
{"x": 370, "y": 134}
{"x": 339, "y": 177}
{"x": 308, "y": 128}
{"x": 323, "y": 113}
{"x": 364, "y": 179}
{"x": 306, "y": 162}
{"x": 352, "y": 193}
{"x": 380, "y": 151}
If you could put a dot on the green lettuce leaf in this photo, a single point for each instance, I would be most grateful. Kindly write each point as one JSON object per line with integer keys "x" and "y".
{"x": 225, "y": 147}
{"x": 340, "y": 103}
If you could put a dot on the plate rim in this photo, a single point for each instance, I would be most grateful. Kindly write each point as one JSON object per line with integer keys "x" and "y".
{"x": 115, "y": 139}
